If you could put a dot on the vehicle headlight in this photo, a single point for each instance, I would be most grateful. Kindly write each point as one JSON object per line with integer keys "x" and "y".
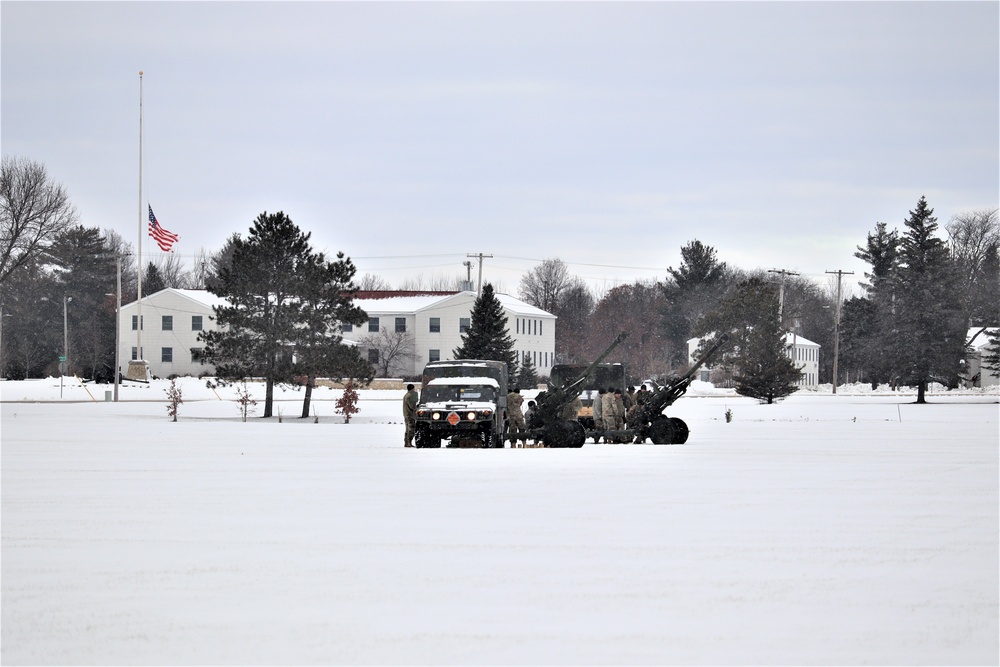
{"x": 471, "y": 416}
{"x": 436, "y": 416}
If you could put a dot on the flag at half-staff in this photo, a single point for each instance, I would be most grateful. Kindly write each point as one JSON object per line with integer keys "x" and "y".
{"x": 163, "y": 238}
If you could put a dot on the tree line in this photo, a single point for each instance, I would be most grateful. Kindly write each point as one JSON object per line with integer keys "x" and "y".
{"x": 920, "y": 296}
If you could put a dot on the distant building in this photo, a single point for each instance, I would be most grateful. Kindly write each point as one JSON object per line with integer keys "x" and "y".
{"x": 435, "y": 322}
{"x": 171, "y": 322}
{"x": 802, "y": 351}
{"x": 979, "y": 376}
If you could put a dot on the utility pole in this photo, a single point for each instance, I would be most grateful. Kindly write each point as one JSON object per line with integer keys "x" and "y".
{"x": 480, "y": 256}
{"x": 468, "y": 274}
{"x": 781, "y": 290}
{"x": 836, "y": 326}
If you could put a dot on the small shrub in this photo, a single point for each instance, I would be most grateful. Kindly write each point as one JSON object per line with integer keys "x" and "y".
{"x": 729, "y": 415}
{"x": 347, "y": 404}
{"x": 245, "y": 402}
{"x": 174, "y": 399}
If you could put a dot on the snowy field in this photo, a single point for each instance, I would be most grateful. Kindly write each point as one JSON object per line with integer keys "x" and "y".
{"x": 850, "y": 529}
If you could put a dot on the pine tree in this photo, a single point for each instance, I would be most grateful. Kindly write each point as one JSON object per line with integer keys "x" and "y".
{"x": 695, "y": 288}
{"x": 152, "y": 280}
{"x": 930, "y": 327}
{"x": 868, "y": 327}
{"x": 281, "y": 296}
{"x": 86, "y": 274}
{"x": 488, "y": 337}
{"x": 325, "y": 297}
{"x": 757, "y": 345}
{"x": 527, "y": 376}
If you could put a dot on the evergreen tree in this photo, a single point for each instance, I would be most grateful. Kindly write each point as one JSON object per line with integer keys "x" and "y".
{"x": 152, "y": 280}
{"x": 325, "y": 297}
{"x": 756, "y": 349}
{"x": 527, "y": 376}
{"x": 868, "y": 327}
{"x": 694, "y": 288}
{"x": 86, "y": 272}
{"x": 488, "y": 337}
{"x": 275, "y": 302}
{"x": 991, "y": 352}
{"x": 930, "y": 326}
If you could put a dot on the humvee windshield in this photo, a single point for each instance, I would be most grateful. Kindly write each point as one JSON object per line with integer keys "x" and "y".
{"x": 444, "y": 393}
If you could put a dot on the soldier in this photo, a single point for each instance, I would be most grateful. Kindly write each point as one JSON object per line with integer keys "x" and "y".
{"x": 619, "y": 410}
{"x": 514, "y": 415}
{"x": 641, "y": 395}
{"x": 629, "y": 399}
{"x": 608, "y": 410}
{"x": 596, "y": 411}
{"x": 409, "y": 414}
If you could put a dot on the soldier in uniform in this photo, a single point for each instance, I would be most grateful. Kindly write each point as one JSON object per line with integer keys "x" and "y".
{"x": 597, "y": 412}
{"x": 514, "y": 415}
{"x": 608, "y": 409}
{"x": 409, "y": 414}
{"x": 619, "y": 410}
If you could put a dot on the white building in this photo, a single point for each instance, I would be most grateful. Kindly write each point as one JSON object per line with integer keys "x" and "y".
{"x": 802, "y": 351}
{"x": 172, "y": 320}
{"x": 979, "y": 376}
{"x": 435, "y": 322}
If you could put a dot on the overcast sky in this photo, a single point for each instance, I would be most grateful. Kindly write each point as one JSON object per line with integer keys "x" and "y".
{"x": 606, "y": 134}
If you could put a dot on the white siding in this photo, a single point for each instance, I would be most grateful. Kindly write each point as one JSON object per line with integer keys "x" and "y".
{"x": 179, "y": 340}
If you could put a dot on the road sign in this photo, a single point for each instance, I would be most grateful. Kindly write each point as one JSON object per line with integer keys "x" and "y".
{"x": 62, "y": 357}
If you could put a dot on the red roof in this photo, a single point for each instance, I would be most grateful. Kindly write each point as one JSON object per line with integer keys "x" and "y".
{"x": 388, "y": 294}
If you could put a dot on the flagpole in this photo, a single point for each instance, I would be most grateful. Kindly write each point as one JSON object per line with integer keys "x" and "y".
{"x": 138, "y": 326}
{"x": 138, "y": 369}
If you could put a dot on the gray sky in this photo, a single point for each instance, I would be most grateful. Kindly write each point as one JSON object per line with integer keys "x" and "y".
{"x": 606, "y": 134}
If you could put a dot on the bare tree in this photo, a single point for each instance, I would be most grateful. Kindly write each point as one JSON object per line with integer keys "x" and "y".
{"x": 33, "y": 210}
{"x": 543, "y": 286}
{"x": 372, "y": 283}
{"x": 394, "y": 347}
{"x": 172, "y": 271}
{"x": 973, "y": 234}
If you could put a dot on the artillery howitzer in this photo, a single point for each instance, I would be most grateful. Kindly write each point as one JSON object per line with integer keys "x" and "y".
{"x": 648, "y": 420}
{"x": 546, "y": 421}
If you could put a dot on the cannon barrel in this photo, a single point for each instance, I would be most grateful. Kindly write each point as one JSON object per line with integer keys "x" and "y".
{"x": 668, "y": 393}
{"x": 551, "y": 402}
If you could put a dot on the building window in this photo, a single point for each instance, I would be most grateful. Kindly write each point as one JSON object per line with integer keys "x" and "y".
{"x": 167, "y": 323}
{"x": 196, "y": 353}
{"x": 400, "y": 325}
{"x": 540, "y": 327}
{"x": 517, "y": 325}
{"x": 463, "y": 324}
{"x": 435, "y": 325}
{"x": 135, "y": 354}
{"x": 373, "y": 324}
{"x": 372, "y": 355}
{"x": 434, "y": 355}
{"x": 196, "y": 323}
{"x": 167, "y": 354}
{"x": 347, "y": 327}
{"x": 135, "y": 322}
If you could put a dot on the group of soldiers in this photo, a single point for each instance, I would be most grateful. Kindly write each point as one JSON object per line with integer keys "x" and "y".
{"x": 614, "y": 408}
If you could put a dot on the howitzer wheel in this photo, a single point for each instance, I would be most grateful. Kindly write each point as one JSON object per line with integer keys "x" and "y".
{"x": 661, "y": 431}
{"x": 564, "y": 433}
{"x": 681, "y": 431}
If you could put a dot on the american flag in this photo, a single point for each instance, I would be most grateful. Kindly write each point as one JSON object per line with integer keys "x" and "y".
{"x": 163, "y": 238}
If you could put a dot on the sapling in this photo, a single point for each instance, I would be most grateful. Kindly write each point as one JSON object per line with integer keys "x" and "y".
{"x": 174, "y": 399}
{"x": 347, "y": 404}
{"x": 244, "y": 403}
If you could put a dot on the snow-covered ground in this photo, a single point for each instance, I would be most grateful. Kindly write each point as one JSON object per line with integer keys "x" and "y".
{"x": 857, "y": 528}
